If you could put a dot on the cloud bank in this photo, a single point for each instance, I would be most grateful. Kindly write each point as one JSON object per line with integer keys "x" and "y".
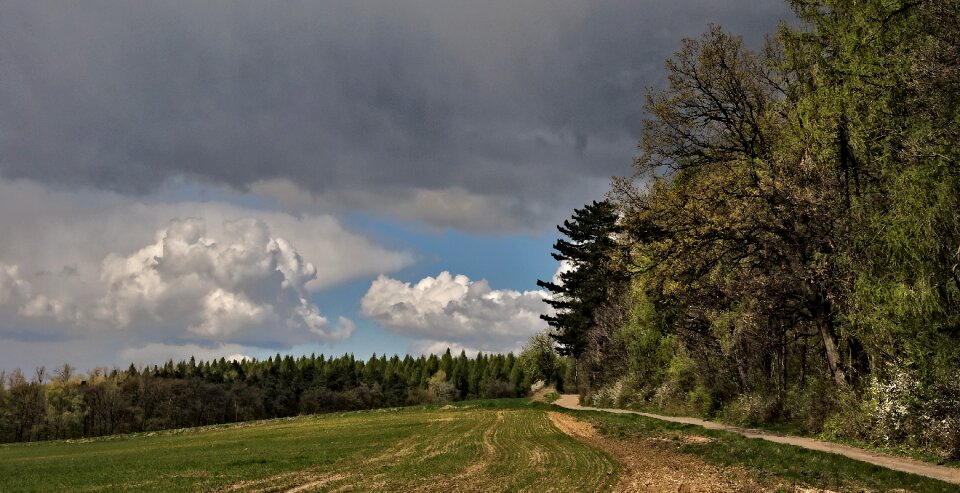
{"x": 382, "y": 105}
{"x": 172, "y": 173}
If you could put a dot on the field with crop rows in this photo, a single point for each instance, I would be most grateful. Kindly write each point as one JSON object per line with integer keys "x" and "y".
{"x": 469, "y": 448}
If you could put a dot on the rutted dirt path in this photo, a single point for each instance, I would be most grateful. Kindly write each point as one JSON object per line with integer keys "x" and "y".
{"x": 943, "y": 473}
{"x": 653, "y": 466}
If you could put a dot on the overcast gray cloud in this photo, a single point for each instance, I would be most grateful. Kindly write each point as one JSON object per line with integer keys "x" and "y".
{"x": 398, "y": 107}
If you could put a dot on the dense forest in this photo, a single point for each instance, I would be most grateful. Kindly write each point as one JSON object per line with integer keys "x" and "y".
{"x": 789, "y": 248}
{"x": 66, "y": 404}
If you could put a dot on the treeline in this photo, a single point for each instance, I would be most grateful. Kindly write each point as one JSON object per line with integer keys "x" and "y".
{"x": 189, "y": 393}
{"x": 789, "y": 251}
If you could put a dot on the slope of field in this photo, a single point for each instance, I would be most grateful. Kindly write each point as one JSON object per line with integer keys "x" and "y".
{"x": 472, "y": 448}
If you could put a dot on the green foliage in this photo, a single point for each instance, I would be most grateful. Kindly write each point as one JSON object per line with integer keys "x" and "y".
{"x": 853, "y": 418}
{"x": 568, "y": 368}
{"x": 906, "y": 409}
{"x": 703, "y": 401}
{"x": 440, "y": 388}
{"x": 793, "y": 229}
{"x": 809, "y": 407}
{"x": 648, "y": 350}
{"x": 540, "y": 360}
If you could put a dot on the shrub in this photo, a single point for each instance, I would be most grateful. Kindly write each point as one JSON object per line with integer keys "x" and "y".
{"x": 498, "y": 388}
{"x": 702, "y": 401}
{"x": 539, "y": 358}
{"x": 894, "y": 397}
{"x": 810, "y": 406}
{"x": 551, "y": 397}
{"x": 441, "y": 389}
{"x": 752, "y": 409}
{"x": 852, "y": 416}
{"x": 419, "y": 396}
{"x": 680, "y": 382}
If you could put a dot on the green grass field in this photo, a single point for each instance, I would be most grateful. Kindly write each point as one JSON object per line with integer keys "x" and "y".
{"x": 506, "y": 447}
{"x": 503, "y": 445}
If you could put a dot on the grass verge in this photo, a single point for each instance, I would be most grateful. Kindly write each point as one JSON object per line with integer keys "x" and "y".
{"x": 793, "y": 465}
{"x": 795, "y": 430}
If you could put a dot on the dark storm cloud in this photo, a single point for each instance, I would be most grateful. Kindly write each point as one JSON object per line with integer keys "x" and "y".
{"x": 531, "y": 100}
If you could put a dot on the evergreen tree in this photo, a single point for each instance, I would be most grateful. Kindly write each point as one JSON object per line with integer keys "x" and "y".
{"x": 590, "y": 252}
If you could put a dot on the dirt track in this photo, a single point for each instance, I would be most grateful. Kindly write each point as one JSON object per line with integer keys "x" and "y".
{"x": 654, "y": 466}
{"x": 943, "y": 473}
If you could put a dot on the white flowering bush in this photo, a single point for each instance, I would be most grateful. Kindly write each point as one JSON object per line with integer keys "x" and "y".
{"x": 609, "y": 395}
{"x": 666, "y": 394}
{"x": 893, "y": 399}
{"x": 916, "y": 412}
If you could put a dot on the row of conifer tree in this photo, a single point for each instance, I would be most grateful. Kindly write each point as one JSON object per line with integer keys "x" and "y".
{"x": 64, "y": 404}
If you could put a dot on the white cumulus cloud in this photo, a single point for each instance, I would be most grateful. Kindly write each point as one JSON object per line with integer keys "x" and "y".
{"x": 456, "y": 311}
{"x": 565, "y": 266}
{"x": 426, "y": 347}
{"x": 157, "y": 353}
{"x": 13, "y": 289}
{"x": 229, "y": 287}
{"x": 93, "y": 265}
{"x": 17, "y": 293}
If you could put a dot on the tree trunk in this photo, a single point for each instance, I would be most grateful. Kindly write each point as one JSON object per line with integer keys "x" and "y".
{"x": 820, "y": 308}
{"x": 803, "y": 364}
{"x": 781, "y": 369}
{"x": 830, "y": 348}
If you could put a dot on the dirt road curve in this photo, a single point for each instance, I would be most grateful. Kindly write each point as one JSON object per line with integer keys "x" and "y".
{"x": 948, "y": 474}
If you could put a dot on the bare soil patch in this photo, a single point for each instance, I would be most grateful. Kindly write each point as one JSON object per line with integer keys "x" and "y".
{"x": 656, "y": 466}
{"x": 572, "y": 426}
{"x": 316, "y": 483}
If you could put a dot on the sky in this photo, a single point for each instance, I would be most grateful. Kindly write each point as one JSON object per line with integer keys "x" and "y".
{"x": 245, "y": 178}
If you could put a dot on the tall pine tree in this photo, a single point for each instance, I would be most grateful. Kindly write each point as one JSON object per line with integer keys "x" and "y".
{"x": 590, "y": 251}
